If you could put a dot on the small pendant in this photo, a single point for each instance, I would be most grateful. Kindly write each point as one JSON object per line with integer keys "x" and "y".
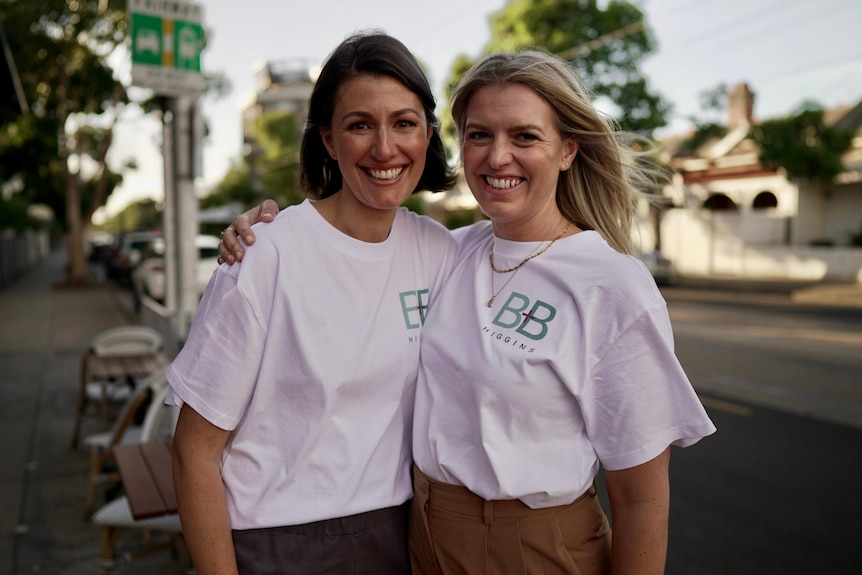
{"x": 491, "y": 301}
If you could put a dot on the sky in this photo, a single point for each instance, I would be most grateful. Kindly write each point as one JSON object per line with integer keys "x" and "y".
{"x": 787, "y": 51}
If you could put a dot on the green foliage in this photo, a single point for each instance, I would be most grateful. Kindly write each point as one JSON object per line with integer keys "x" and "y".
{"x": 714, "y": 99}
{"x": 610, "y": 69}
{"x": 61, "y": 50}
{"x": 271, "y": 169}
{"x": 235, "y": 186}
{"x": 143, "y": 215}
{"x": 803, "y": 145}
{"x": 448, "y": 130}
{"x": 13, "y": 213}
{"x": 279, "y": 135}
{"x": 415, "y": 204}
{"x": 703, "y": 134}
{"x": 708, "y": 124}
{"x": 459, "y": 218}
{"x": 29, "y": 150}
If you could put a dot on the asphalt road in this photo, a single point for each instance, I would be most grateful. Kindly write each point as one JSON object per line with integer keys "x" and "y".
{"x": 763, "y": 350}
{"x": 770, "y": 493}
{"x": 778, "y": 489}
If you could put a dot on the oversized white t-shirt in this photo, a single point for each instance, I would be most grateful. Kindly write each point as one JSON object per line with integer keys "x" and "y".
{"x": 572, "y": 366}
{"x": 308, "y": 352}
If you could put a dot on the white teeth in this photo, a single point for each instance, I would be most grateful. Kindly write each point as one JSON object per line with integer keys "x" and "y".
{"x": 502, "y": 183}
{"x": 389, "y": 174}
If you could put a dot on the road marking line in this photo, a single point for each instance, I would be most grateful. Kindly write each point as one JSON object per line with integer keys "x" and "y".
{"x": 727, "y": 406}
{"x": 783, "y": 393}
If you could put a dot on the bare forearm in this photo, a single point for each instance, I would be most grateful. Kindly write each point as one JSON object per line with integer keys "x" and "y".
{"x": 197, "y": 450}
{"x": 640, "y": 503}
{"x": 205, "y": 520}
{"x": 639, "y": 544}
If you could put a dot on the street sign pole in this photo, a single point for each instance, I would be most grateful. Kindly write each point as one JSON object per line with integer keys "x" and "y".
{"x": 186, "y": 207}
{"x": 167, "y": 40}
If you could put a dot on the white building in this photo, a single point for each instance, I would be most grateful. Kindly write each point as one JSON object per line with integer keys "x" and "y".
{"x": 282, "y": 86}
{"x": 733, "y": 217}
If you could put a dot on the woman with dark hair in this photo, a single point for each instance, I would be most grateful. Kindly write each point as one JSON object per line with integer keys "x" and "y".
{"x": 374, "y": 56}
{"x": 292, "y": 449}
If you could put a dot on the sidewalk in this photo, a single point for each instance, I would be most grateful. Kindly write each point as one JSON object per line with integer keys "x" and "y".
{"x": 43, "y": 332}
{"x": 846, "y": 297}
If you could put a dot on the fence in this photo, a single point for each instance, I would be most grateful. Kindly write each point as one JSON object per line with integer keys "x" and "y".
{"x": 20, "y": 251}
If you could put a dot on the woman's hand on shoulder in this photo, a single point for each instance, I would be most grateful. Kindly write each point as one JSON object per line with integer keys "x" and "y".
{"x": 230, "y": 248}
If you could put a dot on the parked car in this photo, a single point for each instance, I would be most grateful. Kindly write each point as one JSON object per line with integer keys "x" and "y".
{"x": 660, "y": 267}
{"x": 125, "y": 254}
{"x": 149, "y": 276}
{"x": 99, "y": 246}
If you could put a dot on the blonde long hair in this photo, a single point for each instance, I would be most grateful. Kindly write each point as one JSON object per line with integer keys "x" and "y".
{"x": 600, "y": 188}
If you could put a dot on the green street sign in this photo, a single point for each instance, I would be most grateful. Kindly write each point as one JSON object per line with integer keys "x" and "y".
{"x": 146, "y": 39}
{"x": 188, "y": 44}
{"x": 167, "y": 38}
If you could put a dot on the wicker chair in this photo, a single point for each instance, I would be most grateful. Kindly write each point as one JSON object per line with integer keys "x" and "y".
{"x": 115, "y": 518}
{"x": 143, "y": 351}
{"x": 103, "y": 472}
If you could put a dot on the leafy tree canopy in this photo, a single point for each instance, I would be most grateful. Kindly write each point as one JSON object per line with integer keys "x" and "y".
{"x": 145, "y": 214}
{"x": 605, "y": 46}
{"x": 272, "y": 170}
{"x": 235, "y": 186}
{"x": 59, "y": 150}
{"x": 803, "y": 145}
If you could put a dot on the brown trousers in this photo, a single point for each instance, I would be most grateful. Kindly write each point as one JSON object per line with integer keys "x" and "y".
{"x": 455, "y": 532}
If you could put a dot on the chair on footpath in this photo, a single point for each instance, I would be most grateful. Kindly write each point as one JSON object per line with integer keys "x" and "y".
{"x": 116, "y": 518}
{"x": 110, "y": 367}
{"x": 103, "y": 472}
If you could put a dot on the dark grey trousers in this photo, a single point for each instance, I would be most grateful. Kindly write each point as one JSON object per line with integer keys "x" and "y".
{"x": 372, "y": 543}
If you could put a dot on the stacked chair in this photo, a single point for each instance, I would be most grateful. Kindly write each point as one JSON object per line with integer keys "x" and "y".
{"x": 144, "y": 399}
{"x": 115, "y": 518}
{"x": 137, "y": 348}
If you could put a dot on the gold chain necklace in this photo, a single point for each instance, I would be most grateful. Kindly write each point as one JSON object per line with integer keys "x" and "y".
{"x": 532, "y": 255}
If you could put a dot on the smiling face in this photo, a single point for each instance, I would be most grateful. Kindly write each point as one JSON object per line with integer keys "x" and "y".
{"x": 379, "y": 136}
{"x": 512, "y": 155}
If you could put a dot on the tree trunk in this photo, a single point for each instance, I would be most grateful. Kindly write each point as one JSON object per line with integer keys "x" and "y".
{"x": 102, "y": 182}
{"x": 76, "y": 271}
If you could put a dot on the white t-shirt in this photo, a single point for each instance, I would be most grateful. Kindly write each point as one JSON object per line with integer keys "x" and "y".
{"x": 573, "y": 365}
{"x": 308, "y": 352}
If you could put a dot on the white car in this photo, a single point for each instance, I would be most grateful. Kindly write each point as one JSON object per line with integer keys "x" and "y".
{"x": 149, "y": 276}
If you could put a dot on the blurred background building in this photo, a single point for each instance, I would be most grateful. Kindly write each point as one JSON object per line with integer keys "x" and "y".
{"x": 281, "y": 86}
{"x": 732, "y": 215}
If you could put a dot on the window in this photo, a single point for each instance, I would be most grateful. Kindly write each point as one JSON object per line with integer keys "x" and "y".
{"x": 764, "y": 200}
{"x": 719, "y": 203}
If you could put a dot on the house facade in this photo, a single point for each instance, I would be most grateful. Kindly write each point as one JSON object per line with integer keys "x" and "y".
{"x": 730, "y": 216}
{"x": 282, "y": 86}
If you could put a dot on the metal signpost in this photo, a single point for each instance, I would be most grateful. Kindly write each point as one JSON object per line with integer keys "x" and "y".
{"x": 167, "y": 39}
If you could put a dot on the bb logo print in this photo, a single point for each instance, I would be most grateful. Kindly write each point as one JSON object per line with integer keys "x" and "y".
{"x": 532, "y": 324}
{"x": 413, "y": 306}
